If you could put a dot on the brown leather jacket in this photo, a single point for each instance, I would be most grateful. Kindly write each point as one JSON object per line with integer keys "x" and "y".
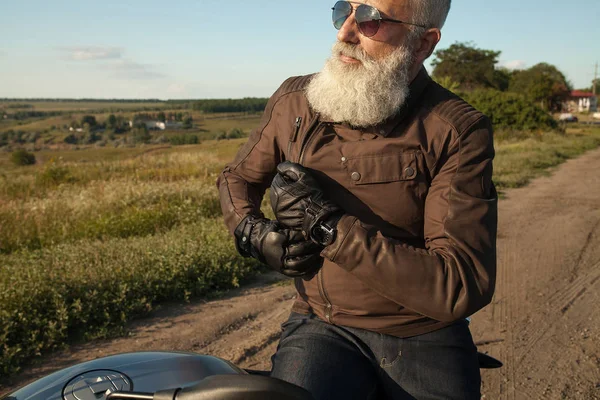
{"x": 417, "y": 248}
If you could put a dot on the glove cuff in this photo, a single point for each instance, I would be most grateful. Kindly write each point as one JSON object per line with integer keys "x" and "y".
{"x": 242, "y": 235}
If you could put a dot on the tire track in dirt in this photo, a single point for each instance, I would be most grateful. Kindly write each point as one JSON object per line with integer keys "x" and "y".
{"x": 543, "y": 320}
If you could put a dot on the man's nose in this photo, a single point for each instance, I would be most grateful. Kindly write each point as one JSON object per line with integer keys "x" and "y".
{"x": 349, "y": 31}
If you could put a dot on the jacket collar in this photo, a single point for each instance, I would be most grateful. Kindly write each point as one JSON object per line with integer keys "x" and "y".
{"x": 416, "y": 89}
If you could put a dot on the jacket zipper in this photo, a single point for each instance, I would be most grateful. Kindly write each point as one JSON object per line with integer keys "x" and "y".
{"x": 294, "y": 136}
{"x": 308, "y": 136}
{"x": 328, "y": 305}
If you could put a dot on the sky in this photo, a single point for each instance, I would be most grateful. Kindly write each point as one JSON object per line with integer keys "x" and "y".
{"x": 238, "y": 48}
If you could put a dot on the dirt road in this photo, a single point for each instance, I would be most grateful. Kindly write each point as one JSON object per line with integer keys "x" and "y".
{"x": 544, "y": 322}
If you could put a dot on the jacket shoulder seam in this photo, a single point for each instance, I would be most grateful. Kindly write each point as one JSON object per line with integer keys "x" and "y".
{"x": 289, "y": 86}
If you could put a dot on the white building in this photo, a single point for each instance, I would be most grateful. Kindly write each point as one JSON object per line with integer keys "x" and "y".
{"x": 159, "y": 125}
{"x": 580, "y": 101}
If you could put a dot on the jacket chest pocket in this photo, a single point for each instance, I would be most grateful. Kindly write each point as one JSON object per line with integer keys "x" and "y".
{"x": 393, "y": 186}
{"x": 383, "y": 168}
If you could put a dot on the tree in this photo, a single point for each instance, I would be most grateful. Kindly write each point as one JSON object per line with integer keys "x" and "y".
{"x": 502, "y": 78}
{"x": 90, "y": 120}
{"x": 71, "y": 139}
{"x": 111, "y": 122}
{"x": 467, "y": 65}
{"x": 22, "y": 157}
{"x": 141, "y": 133}
{"x": 543, "y": 83}
{"x": 187, "y": 122}
{"x": 161, "y": 116}
{"x": 448, "y": 83}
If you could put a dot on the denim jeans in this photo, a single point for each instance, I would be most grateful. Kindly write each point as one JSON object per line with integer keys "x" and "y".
{"x": 336, "y": 362}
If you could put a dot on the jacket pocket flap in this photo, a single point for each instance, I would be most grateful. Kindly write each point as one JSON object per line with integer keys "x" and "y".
{"x": 381, "y": 168}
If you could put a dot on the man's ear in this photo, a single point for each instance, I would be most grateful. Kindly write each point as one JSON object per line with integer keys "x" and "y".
{"x": 426, "y": 44}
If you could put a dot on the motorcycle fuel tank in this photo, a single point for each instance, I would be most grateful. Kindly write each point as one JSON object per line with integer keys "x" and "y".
{"x": 140, "y": 372}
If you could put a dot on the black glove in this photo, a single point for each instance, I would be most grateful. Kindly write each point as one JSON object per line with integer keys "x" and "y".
{"x": 284, "y": 250}
{"x": 299, "y": 202}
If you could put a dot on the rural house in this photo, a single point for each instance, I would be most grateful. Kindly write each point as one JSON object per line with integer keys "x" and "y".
{"x": 579, "y": 101}
{"x": 159, "y": 125}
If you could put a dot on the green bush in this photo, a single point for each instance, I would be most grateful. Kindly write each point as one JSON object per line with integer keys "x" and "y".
{"x": 22, "y": 157}
{"x": 91, "y": 289}
{"x": 54, "y": 175}
{"x": 510, "y": 111}
{"x": 71, "y": 139}
{"x": 184, "y": 139}
{"x": 235, "y": 133}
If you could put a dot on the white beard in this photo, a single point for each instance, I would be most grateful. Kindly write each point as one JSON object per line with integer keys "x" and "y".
{"x": 361, "y": 95}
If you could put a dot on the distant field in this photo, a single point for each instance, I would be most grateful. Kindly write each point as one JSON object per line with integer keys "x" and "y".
{"x": 202, "y": 122}
{"x": 80, "y": 106}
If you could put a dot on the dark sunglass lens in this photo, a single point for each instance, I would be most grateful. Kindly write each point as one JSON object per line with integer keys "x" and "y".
{"x": 369, "y": 28}
{"x": 341, "y": 12}
{"x": 368, "y": 19}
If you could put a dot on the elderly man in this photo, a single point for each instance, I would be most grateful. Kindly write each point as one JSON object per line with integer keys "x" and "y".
{"x": 381, "y": 182}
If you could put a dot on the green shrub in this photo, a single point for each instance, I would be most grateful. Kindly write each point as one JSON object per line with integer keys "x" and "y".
{"x": 184, "y": 138}
{"x": 22, "y": 157}
{"x": 510, "y": 111}
{"x": 71, "y": 139}
{"x": 53, "y": 175}
{"x": 235, "y": 133}
{"x": 91, "y": 289}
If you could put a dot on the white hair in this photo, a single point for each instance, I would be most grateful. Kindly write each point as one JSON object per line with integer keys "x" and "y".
{"x": 430, "y": 13}
{"x": 361, "y": 95}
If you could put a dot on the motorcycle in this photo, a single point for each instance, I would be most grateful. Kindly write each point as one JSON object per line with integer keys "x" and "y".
{"x": 166, "y": 376}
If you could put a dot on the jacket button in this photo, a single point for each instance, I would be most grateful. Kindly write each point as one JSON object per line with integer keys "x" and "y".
{"x": 355, "y": 176}
{"x": 409, "y": 171}
{"x": 344, "y": 159}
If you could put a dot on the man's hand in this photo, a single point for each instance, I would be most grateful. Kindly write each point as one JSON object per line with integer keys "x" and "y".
{"x": 284, "y": 250}
{"x": 299, "y": 203}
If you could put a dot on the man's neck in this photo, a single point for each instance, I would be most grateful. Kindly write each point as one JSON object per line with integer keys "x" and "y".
{"x": 414, "y": 71}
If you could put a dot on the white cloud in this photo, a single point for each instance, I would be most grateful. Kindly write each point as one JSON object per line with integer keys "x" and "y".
{"x": 111, "y": 59}
{"x": 91, "y": 53}
{"x": 128, "y": 69}
{"x": 514, "y": 64}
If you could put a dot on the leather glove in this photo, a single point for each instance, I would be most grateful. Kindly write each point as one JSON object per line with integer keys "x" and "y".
{"x": 284, "y": 250}
{"x": 299, "y": 202}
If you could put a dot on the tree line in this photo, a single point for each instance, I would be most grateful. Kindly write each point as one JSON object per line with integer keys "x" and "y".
{"x": 247, "y": 104}
{"x": 463, "y": 67}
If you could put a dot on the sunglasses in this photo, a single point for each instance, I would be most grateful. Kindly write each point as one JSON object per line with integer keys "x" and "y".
{"x": 368, "y": 18}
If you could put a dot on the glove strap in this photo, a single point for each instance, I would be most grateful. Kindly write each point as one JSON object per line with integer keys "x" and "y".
{"x": 242, "y": 236}
{"x": 316, "y": 214}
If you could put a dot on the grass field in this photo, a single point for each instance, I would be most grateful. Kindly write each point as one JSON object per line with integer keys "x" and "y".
{"x": 518, "y": 161}
{"x": 81, "y": 105}
{"x": 91, "y": 238}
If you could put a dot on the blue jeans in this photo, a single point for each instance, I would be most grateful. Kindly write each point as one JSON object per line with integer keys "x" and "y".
{"x": 336, "y": 362}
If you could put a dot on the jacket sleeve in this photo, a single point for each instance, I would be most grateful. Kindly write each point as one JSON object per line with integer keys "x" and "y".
{"x": 454, "y": 276}
{"x": 244, "y": 181}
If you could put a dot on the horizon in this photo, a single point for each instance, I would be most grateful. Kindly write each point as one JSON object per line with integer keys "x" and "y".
{"x": 144, "y": 50}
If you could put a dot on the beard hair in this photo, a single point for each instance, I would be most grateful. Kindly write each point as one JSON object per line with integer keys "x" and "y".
{"x": 362, "y": 95}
